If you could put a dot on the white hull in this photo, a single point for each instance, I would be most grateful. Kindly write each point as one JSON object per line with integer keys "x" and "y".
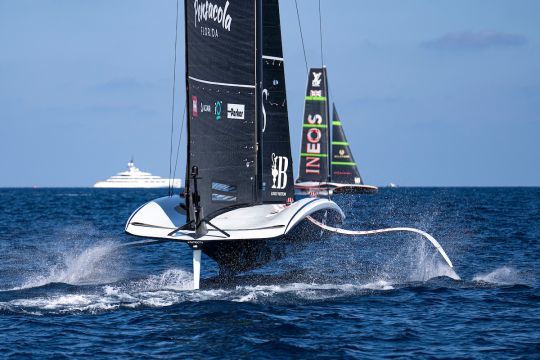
{"x": 255, "y": 235}
{"x": 160, "y": 217}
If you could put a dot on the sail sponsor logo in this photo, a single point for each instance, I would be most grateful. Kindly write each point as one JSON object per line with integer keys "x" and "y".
{"x": 280, "y": 164}
{"x": 313, "y": 145}
{"x": 194, "y": 106}
{"x": 342, "y": 154}
{"x": 316, "y": 82}
{"x": 236, "y": 111}
{"x": 342, "y": 173}
{"x": 206, "y": 11}
{"x": 315, "y": 93}
{"x": 357, "y": 180}
{"x": 217, "y": 109}
{"x": 204, "y": 108}
{"x": 265, "y": 98}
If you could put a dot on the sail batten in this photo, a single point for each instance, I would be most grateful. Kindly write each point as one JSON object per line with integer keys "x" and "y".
{"x": 221, "y": 84}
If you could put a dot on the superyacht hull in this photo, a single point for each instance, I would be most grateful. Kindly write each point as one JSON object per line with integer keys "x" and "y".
{"x": 137, "y": 185}
{"x": 134, "y": 178}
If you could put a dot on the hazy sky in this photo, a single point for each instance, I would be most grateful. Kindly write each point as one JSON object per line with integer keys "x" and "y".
{"x": 430, "y": 92}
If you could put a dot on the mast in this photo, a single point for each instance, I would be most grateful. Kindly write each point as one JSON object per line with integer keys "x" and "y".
{"x": 187, "y": 178}
{"x": 328, "y": 141}
{"x": 258, "y": 96}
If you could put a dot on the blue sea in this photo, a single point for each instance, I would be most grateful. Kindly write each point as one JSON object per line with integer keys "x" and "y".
{"x": 67, "y": 290}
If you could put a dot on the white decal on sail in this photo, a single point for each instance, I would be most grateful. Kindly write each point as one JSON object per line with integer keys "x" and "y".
{"x": 236, "y": 111}
{"x": 265, "y": 97}
{"x": 208, "y": 11}
{"x": 316, "y": 82}
{"x": 280, "y": 164}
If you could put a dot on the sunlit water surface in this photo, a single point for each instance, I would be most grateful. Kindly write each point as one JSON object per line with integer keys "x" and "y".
{"x": 66, "y": 289}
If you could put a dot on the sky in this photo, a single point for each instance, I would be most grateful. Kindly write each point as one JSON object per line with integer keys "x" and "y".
{"x": 431, "y": 93}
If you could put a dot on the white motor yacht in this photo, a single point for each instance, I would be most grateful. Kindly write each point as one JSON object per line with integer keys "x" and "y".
{"x": 134, "y": 178}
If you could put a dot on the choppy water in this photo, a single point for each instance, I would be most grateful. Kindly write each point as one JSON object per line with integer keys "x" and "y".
{"x": 65, "y": 289}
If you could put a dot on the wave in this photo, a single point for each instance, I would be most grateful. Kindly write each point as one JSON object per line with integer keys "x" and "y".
{"x": 96, "y": 272}
{"x": 174, "y": 286}
{"x": 502, "y": 276}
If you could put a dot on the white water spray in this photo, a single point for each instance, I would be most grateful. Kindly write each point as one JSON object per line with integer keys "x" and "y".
{"x": 501, "y": 276}
{"x": 91, "y": 266}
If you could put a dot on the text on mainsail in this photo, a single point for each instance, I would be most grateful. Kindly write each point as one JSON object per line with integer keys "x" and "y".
{"x": 208, "y": 11}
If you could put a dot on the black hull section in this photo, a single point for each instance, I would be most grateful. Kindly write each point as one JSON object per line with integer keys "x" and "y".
{"x": 341, "y": 189}
{"x": 234, "y": 256}
{"x": 354, "y": 190}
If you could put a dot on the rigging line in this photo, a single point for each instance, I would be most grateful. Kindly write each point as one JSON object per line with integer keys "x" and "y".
{"x": 321, "y": 34}
{"x": 173, "y": 98}
{"x": 179, "y": 141}
{"x": 301, "y": 34}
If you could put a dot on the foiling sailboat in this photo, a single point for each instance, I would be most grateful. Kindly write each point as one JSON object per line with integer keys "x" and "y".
{"x": 238, "y": 206}
{"x": 325, "y": 166}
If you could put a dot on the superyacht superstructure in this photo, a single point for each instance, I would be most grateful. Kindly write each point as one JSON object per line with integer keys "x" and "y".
{"x": 135, "y": 178}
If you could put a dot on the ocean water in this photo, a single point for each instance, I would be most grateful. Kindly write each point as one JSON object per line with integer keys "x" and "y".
{"x": 67, "y": 290}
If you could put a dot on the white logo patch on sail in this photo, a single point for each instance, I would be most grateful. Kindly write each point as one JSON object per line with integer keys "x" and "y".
{"x": 280, "y": 164}
{"x": 207, "y": 11}
{"x": 235, "y": 111}
{"x": 316, "y": 82}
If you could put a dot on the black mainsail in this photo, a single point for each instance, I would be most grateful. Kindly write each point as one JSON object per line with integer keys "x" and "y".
{"x": 238, "y": 131}
{"x": 344, "y": 169}
{"x": 314, "y": 153}
{"x": 278, "y": 183}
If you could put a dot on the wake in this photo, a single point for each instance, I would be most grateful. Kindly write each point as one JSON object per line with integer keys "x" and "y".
{"x": 502, "y": 276}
